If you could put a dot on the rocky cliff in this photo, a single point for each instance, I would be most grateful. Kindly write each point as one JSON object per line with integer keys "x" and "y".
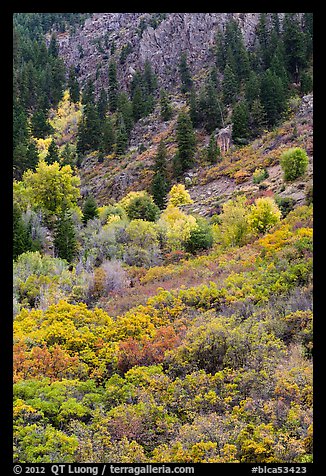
{"x": 141, "y": 36}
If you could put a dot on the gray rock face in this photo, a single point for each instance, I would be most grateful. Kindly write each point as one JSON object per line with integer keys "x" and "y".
{"x": 90, "y": 48}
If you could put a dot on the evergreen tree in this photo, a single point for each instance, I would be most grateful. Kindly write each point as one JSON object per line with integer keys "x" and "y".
{"x": 68, "y": 155}
{"x": 149, "y": 77}
{"x": 257, "y": 120}
{"x": 108, "y": 136}
{"x": 122, "y": 138}
{"x": 22, "y": 241}
{"x": 40, "y": 125}
{"x": 160, "y": 182}
{"x": 211, "y": 112}
{"x": 125, "y": 108}
{"x": 220, "y": 53}
{"x": 186, "y": 141}
{"x": 252, "y": 88}
{"x": 102, "y": 104}
{"x": 65, "y": 242}
{"x": 58, "y": 78}
{"x": 230, "y": 85}
{"x": 90, "y": 209}
{"x": 138, "y": 106}
{"x": 32, "y": 155}
{"x": 53, "y": 46}
{"x": 165, "y": 105}
{"x": 213, "y": 152}
{"x": 91, "y": 128}
{"x": 185, "y": 76}
{"x": 88, "y": 95}
{"x": 240, "y": 119}
{"x": 272, "y": 96}
{"x": 74, "y": 92}
{"x": 263, "y": 38}
{"x": 53, "y": 153}
{"x": 294, "y": 45}
{"x": 113, "y": 86}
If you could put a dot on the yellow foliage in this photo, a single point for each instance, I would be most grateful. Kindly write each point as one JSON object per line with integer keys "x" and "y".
{"x": 178, "y": 195}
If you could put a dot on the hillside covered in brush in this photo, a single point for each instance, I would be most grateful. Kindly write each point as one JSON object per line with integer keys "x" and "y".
{"x": 162, "y": 242}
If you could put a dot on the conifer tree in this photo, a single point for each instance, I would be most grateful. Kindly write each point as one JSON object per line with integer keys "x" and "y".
{"x": 122, "y": 138}
{"x": 90, "y": 209}
{"x": 240, "y": 119}
{"x": 22, "y": 241}
{"x": 160, "y": 182}
{"x": 74, "y": 92}
{"x": 40, "y": 125}
{"x": 53, "y": 153}
{"x": 88, "y": 94}
{"x": 186, "y": 141}
{"x": 65, "y": 242}
{"x": 294, "y": 45}
{"x": 272, "y": 96}
{"x": 68, "y": 155}
{"x": 165, "y": 105}
{"x": 125, "y": 108}
{"x": 257, "y": 120}
{"x": 185, "y": 76}
{"x": 102, "y": 104}
{"x": 230, "y": 85}
{"x": 108, "y": 136}
{"x": 53, "y": 46}
{"x": 138, "y": 106}
{"x": 213, "y": 152}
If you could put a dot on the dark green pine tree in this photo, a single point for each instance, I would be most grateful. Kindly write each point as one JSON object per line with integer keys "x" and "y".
{"x": 122, "y": 138}
{"x": 220, "y": 53}
{"x": 108, "y": 136}
{"x": 150, "y": 80}
{"x": 138, "y": 105}
{"x": 113, "y": 86}
{"x": 58, "y": 80}
{"x": 213, "y": 152}
{"x": 126, "y": 110}
{"x": 257, "y": 120}
{"x": 212, "y": 113}
{"x": 230, "y": 85}
{"x": 166, "y": 110}
{"x": 186, "y": 141}
{"x": 68, "y": 155}
{"x": 73, "y": 86}
{"x": 264, "y": 40}
{"x": 184, "y": 71}
{"x": 240, "y": 119}
{"x": 88, "y": 94}
{"x": 294, "y": 45}
{"x": 89, "y": 131}
{"x": 272, "y": 96}
{"x": 32, "y": 155}
{"x": 53, "y": 49}
{"x": 22, "y": 241}
{"x": 40, "y": 126}
{"x": 102, "y": 104}
{"x": 65, "y": 242}
{"x": 53, "y": 153}
{"x": 90, "y": 209}
{"x": 252, "y": 86}
{"x": 160, "y": 183}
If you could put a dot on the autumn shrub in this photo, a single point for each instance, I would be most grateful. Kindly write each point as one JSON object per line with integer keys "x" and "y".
{"x": 201, "y": 237}
{"x": 259, "y": 175}
{"x": 178, "y": 195}
{"x": 234, "y": 228}
{"x": 264, "y": 215}
{"x": 294, "y": 163}
{"x": 140, "y": 205}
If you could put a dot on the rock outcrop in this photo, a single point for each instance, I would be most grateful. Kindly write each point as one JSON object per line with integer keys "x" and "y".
{"x": 106, "y": 35}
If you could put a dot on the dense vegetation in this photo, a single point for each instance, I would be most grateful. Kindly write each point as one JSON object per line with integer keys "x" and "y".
{"x": 144, "y": 332}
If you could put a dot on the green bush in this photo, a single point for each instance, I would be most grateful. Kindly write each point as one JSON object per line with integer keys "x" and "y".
{"x": 294, "y": 163}
{"x": 201, "y": 238}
